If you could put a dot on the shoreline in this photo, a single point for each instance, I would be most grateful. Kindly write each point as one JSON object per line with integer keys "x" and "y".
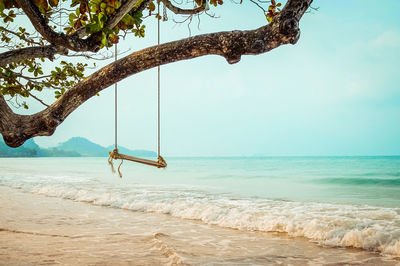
{"x": 37, "y": 229}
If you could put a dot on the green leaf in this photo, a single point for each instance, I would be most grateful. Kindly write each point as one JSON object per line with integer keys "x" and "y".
{"x": 137, "y": 16}
{"x": 2, "y": 6}
{"x": 128, "y": 19}
{"x": 71, "y": 18}
{"x": 92, "y": 28}
{"x": 104, "y": 39}
{"x": 101, "y": 19}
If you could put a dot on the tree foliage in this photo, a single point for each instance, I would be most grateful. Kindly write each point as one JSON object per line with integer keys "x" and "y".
{"x": 26, "y": 78}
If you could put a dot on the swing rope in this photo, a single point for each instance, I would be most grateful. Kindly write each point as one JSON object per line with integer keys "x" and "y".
{"x": 115, "y": 151}
{"x": 158, "y": 82}
{"x": 160, "y": 163}
{"x": 116, "y": 103}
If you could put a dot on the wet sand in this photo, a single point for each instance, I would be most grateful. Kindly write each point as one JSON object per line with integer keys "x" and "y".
{"x": 35, "y": 229}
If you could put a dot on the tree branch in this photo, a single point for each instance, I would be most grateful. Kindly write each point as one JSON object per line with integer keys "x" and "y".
{"x": 28, "y": 40}
{"x": 284, "y": 29}
{"x": 47, "y": 51}
{"x": 72, "y": 42}
{"x": 121, "y": 12}
{"x": 37, "y": 99}
{"x": 181, "y": 11}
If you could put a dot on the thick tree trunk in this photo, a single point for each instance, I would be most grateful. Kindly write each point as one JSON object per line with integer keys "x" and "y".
{"x": 284, "y": 29}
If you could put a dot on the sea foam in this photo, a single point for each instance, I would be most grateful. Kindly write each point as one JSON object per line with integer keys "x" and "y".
{"x": 370, "y": 228}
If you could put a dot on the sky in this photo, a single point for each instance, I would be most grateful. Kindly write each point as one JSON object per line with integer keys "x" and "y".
{"x": 336, "y": 92}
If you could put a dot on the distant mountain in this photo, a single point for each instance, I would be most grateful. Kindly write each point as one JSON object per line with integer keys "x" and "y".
{"x": 29, "y": 149}
{"x": 87, "y": 148}
{"x": 138, "y": 153}
{"x": 84, "y": 147}
{"x": 74, "y": 147}
{"x": 31, "y": 144}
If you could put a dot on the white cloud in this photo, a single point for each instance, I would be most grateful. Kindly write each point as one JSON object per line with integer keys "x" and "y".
{"x": 387, "y": 39}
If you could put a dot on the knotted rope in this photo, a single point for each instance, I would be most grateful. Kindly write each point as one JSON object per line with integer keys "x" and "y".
{"x": 113, "y": 156}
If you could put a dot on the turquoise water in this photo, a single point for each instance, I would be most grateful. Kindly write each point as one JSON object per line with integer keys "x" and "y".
{"x": 337, "y": 201}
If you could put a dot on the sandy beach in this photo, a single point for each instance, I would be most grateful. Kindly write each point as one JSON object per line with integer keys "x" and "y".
{"x": 37, "y": 229}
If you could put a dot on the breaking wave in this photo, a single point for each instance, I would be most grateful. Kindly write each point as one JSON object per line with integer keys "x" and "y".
{"x": 370, "y": 228}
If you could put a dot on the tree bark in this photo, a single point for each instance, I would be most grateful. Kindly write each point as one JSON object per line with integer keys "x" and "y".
{"x": 47, "y": 51}
{"x": 284, "y": 29}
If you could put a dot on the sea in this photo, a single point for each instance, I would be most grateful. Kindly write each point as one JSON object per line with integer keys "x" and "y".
{"x": 333, "y": 202}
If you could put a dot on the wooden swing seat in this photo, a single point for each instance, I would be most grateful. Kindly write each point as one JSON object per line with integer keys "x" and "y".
{"x": 160, "y": 163}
